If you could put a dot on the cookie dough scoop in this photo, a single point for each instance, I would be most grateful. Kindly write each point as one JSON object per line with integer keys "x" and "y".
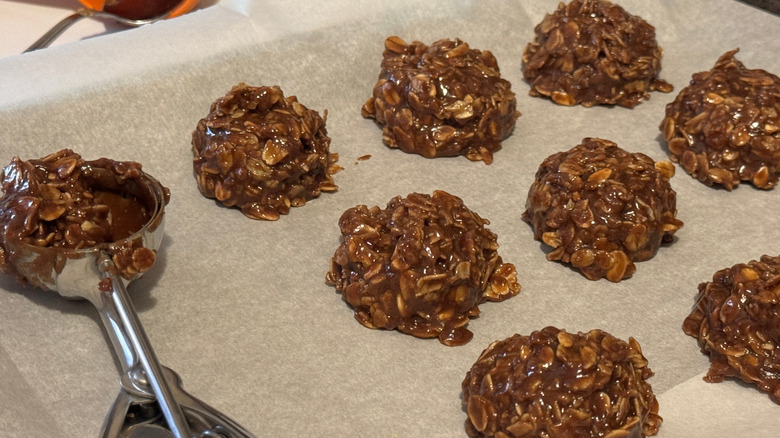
{"x": 87, "y": 229}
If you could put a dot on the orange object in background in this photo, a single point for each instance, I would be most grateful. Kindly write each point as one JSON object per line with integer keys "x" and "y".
{"x": 141, "y": 9}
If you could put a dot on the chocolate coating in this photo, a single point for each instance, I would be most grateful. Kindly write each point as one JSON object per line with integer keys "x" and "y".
{"x": 736, "y": 322}
{"x": 63, "y": 201}
{"x": 556, "y": 384}
{"x": 602, "y": 208}
{"x": 444, "y": 100}
{"x": 422, "y": 265}
{"x": 592, "y": 52}
{"x": 262, "y": 152}
{"x": 724, "y": 127}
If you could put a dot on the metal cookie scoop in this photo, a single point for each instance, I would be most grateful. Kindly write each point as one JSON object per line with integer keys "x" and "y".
{"x": 151, "y": 402}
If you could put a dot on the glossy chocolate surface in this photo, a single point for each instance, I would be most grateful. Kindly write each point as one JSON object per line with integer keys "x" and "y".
{"x": 736, "y": 322}
{"x": 442, "y": 100}
{"x": 262, "y": 152}
{"x": 724, "y": 127}
{"x": 421, "y": 266}
{"x": 602, "y": 208}
{"x": 558, "y": 384}
{"x": 593, "y": 52}
{"x": 67, "y": 204}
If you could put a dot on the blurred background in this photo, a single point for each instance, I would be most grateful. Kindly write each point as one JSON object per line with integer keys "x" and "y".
{"x": 22, "y": 22}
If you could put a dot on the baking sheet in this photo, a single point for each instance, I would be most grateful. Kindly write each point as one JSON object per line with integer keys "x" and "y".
{"x": 240, "y": 308}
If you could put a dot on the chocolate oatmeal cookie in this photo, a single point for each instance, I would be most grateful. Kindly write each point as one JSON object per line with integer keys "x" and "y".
{"x": 442, "y": 100}
{"x": 593, "y": 52}
{"x": 421, "y": 266}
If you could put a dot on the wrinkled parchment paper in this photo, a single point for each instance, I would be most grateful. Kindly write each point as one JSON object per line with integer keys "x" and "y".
{"x": 240, "y": 308}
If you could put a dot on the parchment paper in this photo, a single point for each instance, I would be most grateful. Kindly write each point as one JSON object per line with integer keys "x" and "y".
{"x": 240, "y": 307}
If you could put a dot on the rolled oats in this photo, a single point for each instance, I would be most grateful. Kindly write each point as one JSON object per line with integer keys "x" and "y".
{"x": 723, "y": 128}
{"x": 735, "y": 320}
{"x": 421, "y": 266}
{"x": 63, "y": 201}
{"x": 556, "y": 384}
{"x": 262, "y": 152}
{"x": 601, "y": 208}
{"x": 592, "y": 52}
{"x": 442, "y": 100}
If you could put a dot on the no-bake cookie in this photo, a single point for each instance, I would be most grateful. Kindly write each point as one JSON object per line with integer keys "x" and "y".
{"x": 442, "y": 100}
{"x": 262, "y": 152}
{"x": 724, "y": 127}
{"x": 593, "y": 52}
{"x": 736, "y": 320}
{"x": 602, "y": 208}
{"x": 421, "y": 266}
{"x": 557, "y": 384}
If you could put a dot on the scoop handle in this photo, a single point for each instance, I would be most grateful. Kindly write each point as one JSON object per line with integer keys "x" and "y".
{"x": 58, "y": 28}
{"x": 132, "y": 345}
